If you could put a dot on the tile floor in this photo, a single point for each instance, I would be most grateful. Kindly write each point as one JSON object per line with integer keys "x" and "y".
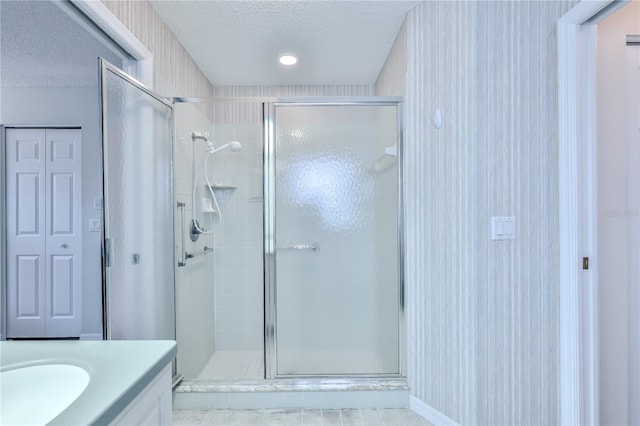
{"x": 234, "y": 365}
{"x": 299, "y": 417}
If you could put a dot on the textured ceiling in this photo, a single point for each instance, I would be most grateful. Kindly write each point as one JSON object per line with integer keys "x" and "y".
{"x": 40, "y": 45}
{"x": 237, "y": 42}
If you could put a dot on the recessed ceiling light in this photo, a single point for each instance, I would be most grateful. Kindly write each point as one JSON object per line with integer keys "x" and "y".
{"x": 287, "y": 59}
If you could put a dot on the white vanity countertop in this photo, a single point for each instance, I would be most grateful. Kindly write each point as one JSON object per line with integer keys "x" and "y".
{"x": 119, "y": 370}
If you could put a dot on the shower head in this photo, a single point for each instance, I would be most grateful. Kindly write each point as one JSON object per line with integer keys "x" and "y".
{"x": 233, "y": 146}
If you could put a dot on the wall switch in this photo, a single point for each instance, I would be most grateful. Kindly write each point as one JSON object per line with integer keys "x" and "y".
{"x": 503, "y": 228}
{"x": 97, "y": 203}
{"x": 94, "y": 225}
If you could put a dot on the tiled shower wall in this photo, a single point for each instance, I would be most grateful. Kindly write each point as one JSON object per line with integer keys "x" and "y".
{"x": 194, "y": 282}
{"x": 483, "y": 316}
{"x": 238, "y": 271}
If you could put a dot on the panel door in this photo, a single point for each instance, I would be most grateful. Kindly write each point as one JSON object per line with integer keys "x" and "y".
{"x": 44, "y": 233}
{"x": 26, "y": 234}
{"x": 63, "y": 233}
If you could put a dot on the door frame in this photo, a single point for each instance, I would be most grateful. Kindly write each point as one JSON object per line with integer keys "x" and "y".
{"x": 98, "y": 20}
{"x": 3, "y": 237}
{"x": 270, "y": 279}
{"x": 578, "y": 211}
{"x": 633, "y": 247}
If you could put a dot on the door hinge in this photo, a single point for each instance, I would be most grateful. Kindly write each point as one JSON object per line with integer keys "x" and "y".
{"x": 107, "y": 252}
{"x": 585, "y": 263}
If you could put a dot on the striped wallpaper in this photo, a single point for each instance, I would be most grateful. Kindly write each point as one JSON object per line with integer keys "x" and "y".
{"x": 175, "y": 72}
{"x": 252, "y": 112}
{"x": 483, "y": 315}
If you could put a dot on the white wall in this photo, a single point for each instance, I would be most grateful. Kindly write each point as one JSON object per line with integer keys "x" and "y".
{"x": 71, "y": 106}
{"x": 614, "y": 215}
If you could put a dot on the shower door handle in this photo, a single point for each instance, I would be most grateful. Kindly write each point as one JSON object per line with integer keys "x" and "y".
{"x": 315, "y": 247}
{"x": 183, "y": 261}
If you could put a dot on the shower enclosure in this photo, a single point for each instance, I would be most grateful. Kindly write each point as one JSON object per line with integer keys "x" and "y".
{"x": 332, "y": 241}
{"x": 307, "y": 277}
{"x": 301, "y": 275}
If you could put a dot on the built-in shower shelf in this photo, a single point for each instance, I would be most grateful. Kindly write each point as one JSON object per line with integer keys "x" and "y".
{"x": 222, "y": 187}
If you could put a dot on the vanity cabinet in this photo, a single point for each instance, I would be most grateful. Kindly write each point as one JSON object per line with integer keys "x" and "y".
{"x": 152, "y": 406}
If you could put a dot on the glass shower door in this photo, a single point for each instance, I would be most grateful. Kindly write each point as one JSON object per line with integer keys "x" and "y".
{"x": 333, "y": 243}
{"x": 138, "y": 209}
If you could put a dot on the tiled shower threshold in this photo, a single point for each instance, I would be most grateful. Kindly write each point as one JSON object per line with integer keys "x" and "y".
{"x": 315, "y": 393}
{"x": 294, "y": 385}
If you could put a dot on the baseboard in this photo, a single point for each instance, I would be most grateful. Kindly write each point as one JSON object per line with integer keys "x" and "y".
{"x": 91, "y": 336}
{"x": 430, "y": 414}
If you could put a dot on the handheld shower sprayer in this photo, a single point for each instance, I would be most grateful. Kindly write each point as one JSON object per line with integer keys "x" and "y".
{"x": 233, "y": 146}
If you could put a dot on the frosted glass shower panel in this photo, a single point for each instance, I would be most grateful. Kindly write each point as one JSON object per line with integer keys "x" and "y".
{"x": 138, "y": 153}
{"x": 336, "y": 236}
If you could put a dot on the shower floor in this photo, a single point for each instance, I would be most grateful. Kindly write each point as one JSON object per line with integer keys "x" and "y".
{"x": 249, "y": 365}
{"x": 234, "y": 365}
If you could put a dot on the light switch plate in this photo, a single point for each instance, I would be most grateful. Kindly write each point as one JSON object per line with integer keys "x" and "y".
{"x": 503, "y": 228}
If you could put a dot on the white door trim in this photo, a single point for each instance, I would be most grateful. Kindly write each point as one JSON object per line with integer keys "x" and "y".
{"x": 633, "y": 243}
{"x": 141, "y": 66}
{"x": 3, "y": 237}
{"x": 578, "y": 212}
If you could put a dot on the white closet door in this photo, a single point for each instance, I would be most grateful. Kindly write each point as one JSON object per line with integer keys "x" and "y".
{"x": 26, "y": 232}
{"x": 63, "y": 233}
{"x": 44, "y": 220}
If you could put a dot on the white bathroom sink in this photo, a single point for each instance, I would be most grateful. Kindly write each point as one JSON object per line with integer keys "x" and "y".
{"x": 35, "y": 395}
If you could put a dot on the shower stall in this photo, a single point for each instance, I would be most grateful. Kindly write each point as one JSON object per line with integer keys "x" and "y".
{"x": 293, "y": 268}
{"x": 305, "y": 276}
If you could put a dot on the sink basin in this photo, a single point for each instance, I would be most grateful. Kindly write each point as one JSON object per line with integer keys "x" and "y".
{"x": 35, "y": 395}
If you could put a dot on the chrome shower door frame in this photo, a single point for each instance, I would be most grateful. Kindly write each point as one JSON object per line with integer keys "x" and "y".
{"x": 270, "y": 278}
{"x": 108, "y": 311}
